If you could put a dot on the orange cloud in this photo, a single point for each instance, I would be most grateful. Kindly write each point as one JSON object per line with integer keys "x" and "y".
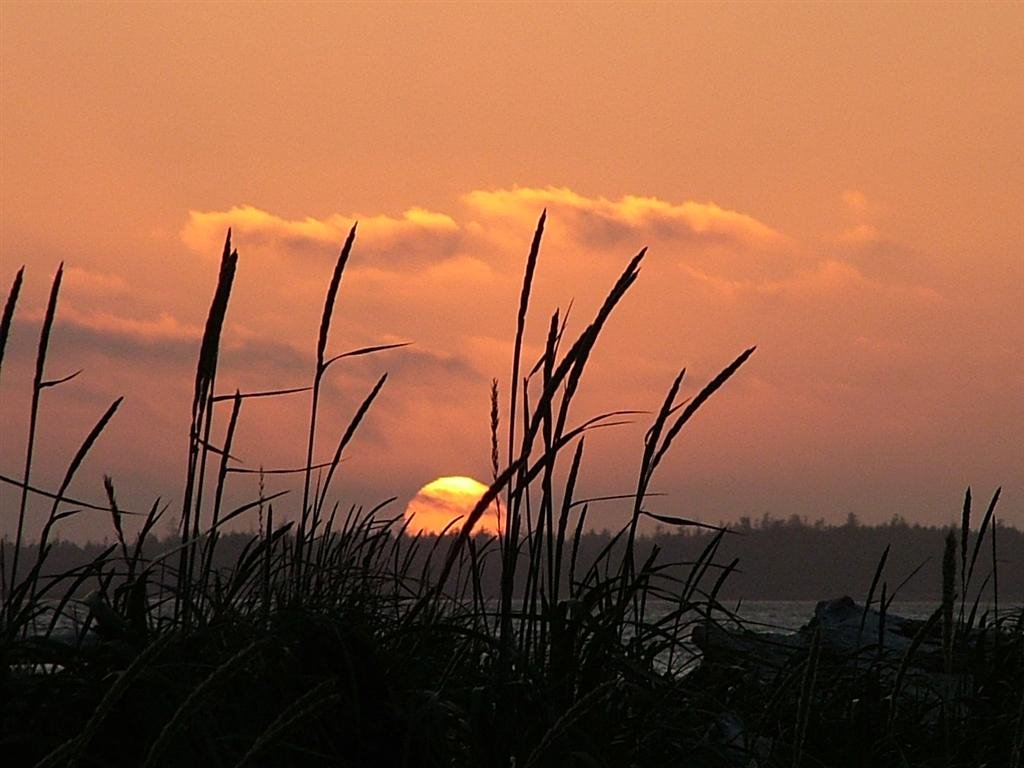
{"x": 164, "y": 328}
{"x": 830, "y": 277}
{"x": 599, "y": 220}
{"x": 85, "y": 282}
{"x": 421, "y": 236}
{"x": 416, "y": 235}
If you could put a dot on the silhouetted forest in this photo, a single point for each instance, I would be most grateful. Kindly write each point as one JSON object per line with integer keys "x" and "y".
{"x": 796, "y": 560}
{"x": 778, "y": 559}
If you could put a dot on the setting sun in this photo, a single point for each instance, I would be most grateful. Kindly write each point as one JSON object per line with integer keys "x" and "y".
{"x": 441, "y": 501}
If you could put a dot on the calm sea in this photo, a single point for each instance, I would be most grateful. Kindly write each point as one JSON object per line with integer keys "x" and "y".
{"x": 756, "y": 615}
{"x": 791, "y": 615}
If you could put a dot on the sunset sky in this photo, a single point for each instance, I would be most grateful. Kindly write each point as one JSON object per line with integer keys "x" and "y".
{"x": 839, "y": 184}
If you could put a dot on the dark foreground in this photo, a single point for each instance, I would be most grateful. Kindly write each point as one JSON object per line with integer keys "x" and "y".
{"x": 374, "y": 668}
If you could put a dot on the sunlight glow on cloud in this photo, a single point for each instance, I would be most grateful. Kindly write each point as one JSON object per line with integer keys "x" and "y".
{"x": 417, "y": 232}
{"x": 636, "y": 215}
{"x": 591, "y": 221}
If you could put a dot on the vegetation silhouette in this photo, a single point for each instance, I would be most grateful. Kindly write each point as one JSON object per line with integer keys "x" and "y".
{"x": 336, "y": 639}
{"x": 779, "y": 559}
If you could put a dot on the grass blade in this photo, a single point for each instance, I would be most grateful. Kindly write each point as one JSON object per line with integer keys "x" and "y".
{"x": 44, "y": 342}
{"x": 8, "y": 316}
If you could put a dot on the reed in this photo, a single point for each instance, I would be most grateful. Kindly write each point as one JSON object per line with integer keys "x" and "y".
{"x": 37, "y": 387}
{"x": 200, "y": 428}
{"x": 318, "y": 373}
{"x": 948, "y": 599}
{"x": 8, "y": 316}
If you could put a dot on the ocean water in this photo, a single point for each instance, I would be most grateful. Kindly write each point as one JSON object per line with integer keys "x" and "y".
{"x": 779, "y": 616}
{"x": 790, "y": 615}
{"x": 783, "y": 616}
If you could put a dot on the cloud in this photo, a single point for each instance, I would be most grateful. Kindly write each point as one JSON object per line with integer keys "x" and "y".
{"x": 428, "y": 368}
{"x": 84, "y": 282}
{"x": 79, "y": 336}
{"x": 163, "y": 328}
{"x": 887, "y": 261}
{"x": 164, "y": 341}
{"x": 828, "y": 278}
{"x": 385, "y": 241}
{"x": 482, "y": 230}
{"x": 268, "y": 358}
{"x": 598, "y": 221}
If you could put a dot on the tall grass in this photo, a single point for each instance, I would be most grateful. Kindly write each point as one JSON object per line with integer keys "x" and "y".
{"x": 336, "y": 638}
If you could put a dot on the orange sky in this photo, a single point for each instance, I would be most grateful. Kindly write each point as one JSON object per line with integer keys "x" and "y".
{"x": 839, "y": 184}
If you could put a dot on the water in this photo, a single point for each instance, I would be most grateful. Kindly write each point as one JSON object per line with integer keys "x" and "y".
{"x": 756, "y": 615}
{"x": 785, "y": 616}
{"x": 791, "y": 615}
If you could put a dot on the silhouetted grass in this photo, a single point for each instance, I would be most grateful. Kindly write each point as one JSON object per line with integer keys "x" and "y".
{"x": 335, "y": 638}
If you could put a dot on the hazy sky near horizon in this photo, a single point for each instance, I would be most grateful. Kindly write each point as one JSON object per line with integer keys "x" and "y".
{"x": 839, "y": 184}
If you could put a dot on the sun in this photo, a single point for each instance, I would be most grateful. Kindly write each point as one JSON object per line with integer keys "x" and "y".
{"x": 440, "y": 501}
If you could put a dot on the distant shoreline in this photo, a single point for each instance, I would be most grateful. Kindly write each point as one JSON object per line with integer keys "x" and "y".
{"x": 778, "y": 560}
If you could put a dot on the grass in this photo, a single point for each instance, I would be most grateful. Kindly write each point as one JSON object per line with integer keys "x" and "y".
{"x": 336, "y": 638}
